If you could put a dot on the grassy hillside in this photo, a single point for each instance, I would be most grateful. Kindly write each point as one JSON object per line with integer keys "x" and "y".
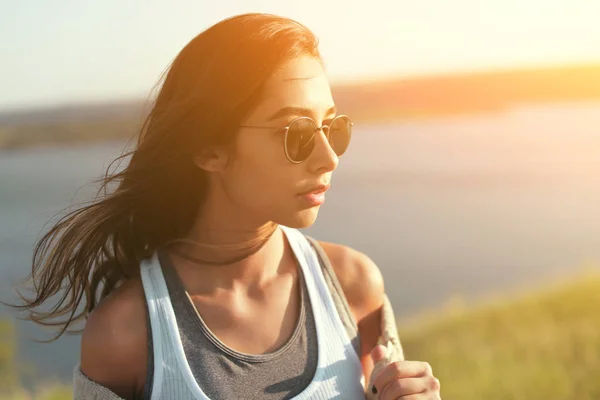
{"x": 8, "y": 372}
{"x": 540, "y": 346}
{"x": 544, "y": 345}
{"x": 10, "y": 369}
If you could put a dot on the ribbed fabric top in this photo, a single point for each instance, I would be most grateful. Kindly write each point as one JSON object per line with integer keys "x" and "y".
{"x": 224, "y": 373}
{"x": 334, "y": 372}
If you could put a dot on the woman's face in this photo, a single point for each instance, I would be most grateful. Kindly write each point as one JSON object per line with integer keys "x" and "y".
{"x": 259, "y": 176}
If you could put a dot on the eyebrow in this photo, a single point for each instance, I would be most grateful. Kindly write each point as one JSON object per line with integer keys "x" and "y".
{"x": 298, "y": 79}
{"x": 299, "y": 111}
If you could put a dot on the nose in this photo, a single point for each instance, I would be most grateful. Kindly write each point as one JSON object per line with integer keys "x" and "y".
{"x": 323, "y": 158}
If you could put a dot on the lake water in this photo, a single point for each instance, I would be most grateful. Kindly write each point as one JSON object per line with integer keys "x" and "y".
{"x": 465, "y": 206}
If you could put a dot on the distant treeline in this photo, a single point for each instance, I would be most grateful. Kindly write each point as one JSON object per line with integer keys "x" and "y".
{"x": 377, "y": 101}
{"x": 66, "y": 133}
{"x": 468, "y": 93}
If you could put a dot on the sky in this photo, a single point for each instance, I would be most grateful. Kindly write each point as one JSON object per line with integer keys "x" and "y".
{"x": 57, "y": 52}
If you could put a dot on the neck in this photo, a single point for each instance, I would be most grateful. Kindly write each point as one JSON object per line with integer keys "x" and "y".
{"x": 226, "y": 245}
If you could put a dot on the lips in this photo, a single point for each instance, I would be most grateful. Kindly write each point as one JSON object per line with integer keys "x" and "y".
{"x": 316, "y": 189}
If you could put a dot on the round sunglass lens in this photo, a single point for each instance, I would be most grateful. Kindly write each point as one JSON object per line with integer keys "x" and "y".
{"x": 339, "y": 134}
{"x": 299, "y": 142}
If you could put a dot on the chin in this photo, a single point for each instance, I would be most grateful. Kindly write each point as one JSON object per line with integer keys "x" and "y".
{"x": 300, "y": 219}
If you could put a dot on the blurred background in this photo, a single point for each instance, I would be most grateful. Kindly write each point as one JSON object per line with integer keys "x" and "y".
{"x": 473, "y": 179}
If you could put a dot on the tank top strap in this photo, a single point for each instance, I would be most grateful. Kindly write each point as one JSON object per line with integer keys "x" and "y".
{"x": 172, "y": 376}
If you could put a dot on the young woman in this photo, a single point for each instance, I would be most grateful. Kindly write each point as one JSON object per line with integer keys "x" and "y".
{"x": 192, "y": 274}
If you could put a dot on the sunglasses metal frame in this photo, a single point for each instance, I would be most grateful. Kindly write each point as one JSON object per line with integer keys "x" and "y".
{"x": 323, "y": 128}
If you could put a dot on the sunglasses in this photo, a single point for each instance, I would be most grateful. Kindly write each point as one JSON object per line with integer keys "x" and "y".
{"x": 299, "y": 139}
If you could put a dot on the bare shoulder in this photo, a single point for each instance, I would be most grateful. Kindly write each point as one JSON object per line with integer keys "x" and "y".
{"x": 114, "y": 341}
{"x": 359, "y": 277}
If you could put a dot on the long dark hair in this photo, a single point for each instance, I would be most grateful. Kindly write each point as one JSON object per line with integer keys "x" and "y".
{"x": 212, "y": 84}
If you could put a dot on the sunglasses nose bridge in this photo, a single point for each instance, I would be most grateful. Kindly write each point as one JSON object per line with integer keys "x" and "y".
{"x": 323, "y": 128}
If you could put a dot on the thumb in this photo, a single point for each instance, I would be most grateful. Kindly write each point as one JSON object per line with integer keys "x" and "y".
{"x": 378, "y": 353}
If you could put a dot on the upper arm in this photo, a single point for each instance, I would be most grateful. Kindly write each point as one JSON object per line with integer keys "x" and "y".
{"x": 113, "y": 345}
{"x": 363, "y": 287}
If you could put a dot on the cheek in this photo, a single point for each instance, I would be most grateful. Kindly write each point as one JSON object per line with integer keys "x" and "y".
{"x": 260, "y": 176}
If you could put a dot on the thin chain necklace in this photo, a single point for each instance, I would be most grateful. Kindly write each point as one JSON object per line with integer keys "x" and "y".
{"x": 218, "y": 263}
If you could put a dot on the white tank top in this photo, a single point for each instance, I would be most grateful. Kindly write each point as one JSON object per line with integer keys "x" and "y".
{"x": 338, "y": 374}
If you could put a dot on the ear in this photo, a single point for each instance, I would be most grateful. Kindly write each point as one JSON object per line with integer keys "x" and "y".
{"x": 211, "y": 159}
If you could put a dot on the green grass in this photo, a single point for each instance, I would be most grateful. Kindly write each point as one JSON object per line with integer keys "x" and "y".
{"x": 10, "y": 388}
{"x": 544, "y": 345}
{"x": 8, "y": 373}
{"x": 541, "y": 345}
{"x": 44, "y": 392}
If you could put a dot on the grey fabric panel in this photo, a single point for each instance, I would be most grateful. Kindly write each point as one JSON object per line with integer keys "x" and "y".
{"x": 86, "y": 389}
{"x": 390, "y": 339}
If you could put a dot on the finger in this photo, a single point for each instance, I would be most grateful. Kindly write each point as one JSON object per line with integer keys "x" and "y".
{"x": 421, "y": 396}
{"x": 425, "y": 387}
{"x": 400, "y": 370}
{"x": 378, "y": 353}
{"x": 403, "y": 387}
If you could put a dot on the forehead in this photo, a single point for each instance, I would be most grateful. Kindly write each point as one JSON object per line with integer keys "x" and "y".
{"x": 300, "y": 82}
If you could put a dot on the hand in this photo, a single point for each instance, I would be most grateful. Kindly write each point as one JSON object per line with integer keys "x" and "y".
{"x": 406, "y": 380}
